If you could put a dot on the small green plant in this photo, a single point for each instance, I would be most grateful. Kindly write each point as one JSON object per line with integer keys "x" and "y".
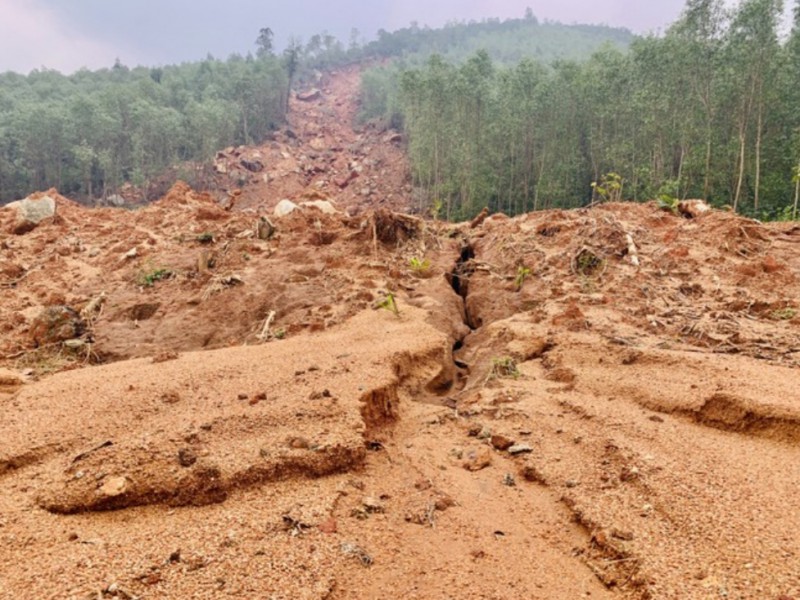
{"x": 783, "y": 314}
{"x": 504, "y": 368}
{"x": 389, "y": 303}
{"x": 420, "y": 267}
{"x": 522, "y": 274}
{"x": 666, "y": 202}
{"x": 149, "y": 278}
{"x": 667, "y": 196}
{"x": 279, "y": 334}
{"x": 436, "y": 209}
{"x": 609, "y": 188}
{"x": 205, "y": 238}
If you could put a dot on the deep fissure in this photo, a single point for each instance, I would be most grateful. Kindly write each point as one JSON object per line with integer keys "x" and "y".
{"x": 459, "y": 279}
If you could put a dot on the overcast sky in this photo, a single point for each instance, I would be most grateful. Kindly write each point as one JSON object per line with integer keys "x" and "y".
{"x": 70, "y": 34}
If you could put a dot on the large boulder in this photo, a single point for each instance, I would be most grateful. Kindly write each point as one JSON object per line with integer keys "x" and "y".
{"x": 31, "y": 211}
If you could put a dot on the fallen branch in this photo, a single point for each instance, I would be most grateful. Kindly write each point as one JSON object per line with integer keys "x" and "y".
{"x": 265, "y": 334}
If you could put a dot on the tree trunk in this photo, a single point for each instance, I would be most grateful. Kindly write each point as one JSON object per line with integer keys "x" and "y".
{"x": 740, "y": 176}
{"x": 758, "y": 154}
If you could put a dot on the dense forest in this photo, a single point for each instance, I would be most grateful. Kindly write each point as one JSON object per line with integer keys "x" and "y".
{"x": 90, "y": 132}
{"x": 710, "y": 110}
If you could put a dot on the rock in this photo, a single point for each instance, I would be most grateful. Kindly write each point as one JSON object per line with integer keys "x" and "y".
{"x": 298, "y": 443}
{"x": 56, "y": 324}
{"x": 310, "y": 95}
{"x": 264, "y": 229}
{"x": 373, "y": 505}
{"x": 501, "y": 442}
{"x": 443, "y": 502}
{"x": 693, "y": 208}
{"x": 114, "y": 486}
{"x": 520, "y": 449}
{"x": 31, "y": 211}
{"x": 186, "y": 457}
{"x": 116, "y": 200}
{"x": 254, "y": 166}
{"x": 132, "y": 253}
{"x": 285, "y": 207}
{"x": 393, "y": 138}
{"x": 476, "y": 459}
{"x": 323, "y": 206}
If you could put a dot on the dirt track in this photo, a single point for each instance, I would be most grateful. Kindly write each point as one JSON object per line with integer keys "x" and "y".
{"x": 569, "y": 424}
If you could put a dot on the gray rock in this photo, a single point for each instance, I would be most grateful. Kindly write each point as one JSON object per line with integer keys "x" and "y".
{"x": 31, "y": 212}
{"x": 520, "y": 449}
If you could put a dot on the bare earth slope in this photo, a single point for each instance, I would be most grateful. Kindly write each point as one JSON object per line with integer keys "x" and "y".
{"x": 544, "y": 418}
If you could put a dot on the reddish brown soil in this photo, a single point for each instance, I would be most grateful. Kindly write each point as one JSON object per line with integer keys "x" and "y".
{"x": 572, "y": 425}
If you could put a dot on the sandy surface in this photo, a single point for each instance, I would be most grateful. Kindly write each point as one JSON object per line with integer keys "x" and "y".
{"x": 544, "y": 418}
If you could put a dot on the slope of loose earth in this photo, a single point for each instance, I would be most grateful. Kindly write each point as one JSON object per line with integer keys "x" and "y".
{"x": 594, "y": 403}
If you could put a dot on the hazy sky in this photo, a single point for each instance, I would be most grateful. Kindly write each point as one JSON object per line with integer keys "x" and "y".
{"x": 69, "y": 34}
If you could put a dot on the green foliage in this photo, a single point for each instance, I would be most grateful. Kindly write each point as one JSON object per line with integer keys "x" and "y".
{"x": 707, "y": 110}
{"x": 522, "y": 274}
{"x": 389, "y": 303}
{"x": 783, "y": 314}
{"x": 205, "y": 238}
{"x": 90, "y": 132}
{"x": 609, "y": 188}
{"x": 504, "y": 368}
{"x": 667, "y": 196}
{"x": 149, "y": 278}
{"x": 420, "y": 267}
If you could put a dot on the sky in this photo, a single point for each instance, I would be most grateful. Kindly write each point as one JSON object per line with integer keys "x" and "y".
{"x": 70, "y": 34}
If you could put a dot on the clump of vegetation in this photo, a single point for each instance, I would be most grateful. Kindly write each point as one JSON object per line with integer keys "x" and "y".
{"x": 522, "y": 274}
{"x": 504, "y": 368}
{"x": 420, "y": 267}
{"x": 149, "y": 278}
{"x": 205, "y": 238}
{"x": 783, "y": 314}
{"x": 667, "y": 197}
{"x": 389, "y": 303}
{"x": 609, "y": 188}
{"x": 588, "y": 264}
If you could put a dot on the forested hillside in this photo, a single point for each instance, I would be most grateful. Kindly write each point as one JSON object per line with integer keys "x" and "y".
{"x": 506, "y": 41}
{"x": 711, "y": 109}
{"x": 91, "y": 132}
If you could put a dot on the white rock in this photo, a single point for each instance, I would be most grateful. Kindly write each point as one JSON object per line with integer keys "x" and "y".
{"x": 285, "y": 207}
{"x": 323, "y": 206}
